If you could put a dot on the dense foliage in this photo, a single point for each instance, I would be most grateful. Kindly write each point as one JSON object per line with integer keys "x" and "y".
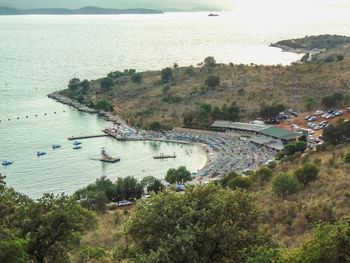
{"x": 205, "y": 224}
{"x": 338, "y": 133}
{"x": 179, "y": 175}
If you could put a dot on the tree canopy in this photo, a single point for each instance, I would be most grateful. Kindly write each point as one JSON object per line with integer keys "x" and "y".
{"x": 179, "y": 175}
{"x": 205, "y": 224}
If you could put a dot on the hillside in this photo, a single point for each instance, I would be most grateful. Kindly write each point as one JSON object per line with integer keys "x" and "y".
{"x": 148, "y": 98}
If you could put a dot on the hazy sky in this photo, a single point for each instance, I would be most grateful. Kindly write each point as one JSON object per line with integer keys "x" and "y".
{"x": 256, "y": 6}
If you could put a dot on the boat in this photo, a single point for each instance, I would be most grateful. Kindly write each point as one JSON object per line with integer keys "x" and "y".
{"x": 107, "y": 158}
{"x": 6, "y": 163}
{"x": 211, "y": 14}
{"x": 77, "y": 143}
{"x": 162, "y": 156}
{"x": 77, "y": 147}
{"x": 55, "y": 146}
{"x": 40, "y": 153}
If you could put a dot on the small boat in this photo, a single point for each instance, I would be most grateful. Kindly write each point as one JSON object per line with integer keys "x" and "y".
{"x": 77, "y": 143}
{"x": 55, "y": 146}
{"x": 40, "y": 153}
{"x": 7, "y": 163}
{"x": 77, "y": 147}
{"x": 211, "y": 14}
{"x": 162, "y": 156}
{"x": 107, "y": 158}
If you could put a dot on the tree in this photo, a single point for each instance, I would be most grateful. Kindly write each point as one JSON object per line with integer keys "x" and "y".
{"x": 239, "y": 182}
{"x": 284, "y": 184}
{"x": 270, "y": 112}
{"x": 166, "y": 74}
{"x": 263, "y": 174}
{"x": 204, "y": 224}
{"x": 136, "y": 78}
{"x": 331, "y": 243}
{"x": 85, "y": 84}
{"x": 52, "y": 226}
{"x": 179, "y": 175}
{"x": 306, "y": 174}
{"x": 212, "y": 81}
{"x": 88, "y": 253}
{"x": 74, "y": 84}
{"x": 209, "y": 62}
{"x": 155, "y": 126}
{"x": 127, "y": 188}
{"x": 155, "y": 186}
{"x": 106, "y": 84}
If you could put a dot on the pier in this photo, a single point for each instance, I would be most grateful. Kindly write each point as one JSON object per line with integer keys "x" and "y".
{"x": 87, "y": 136}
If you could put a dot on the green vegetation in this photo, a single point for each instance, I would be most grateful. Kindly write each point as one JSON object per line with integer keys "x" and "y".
{"x": 166, "y": 74}
{"x": 212, "y": 81}
{"x": 312, "y": 42}
{"x": 338, "y": 133}
{"x": 270, "y": 112}
{"x": 136, "y": 78}
{"x": 179, "y": 175}
{"x": 306, "y": 174}
{"x": 205, "y": 224}
{"x": 284, "y": 184}
{"x": 347, "y": 158}
{"x": 332, "y": 100}
{"x": 264, "y": 174}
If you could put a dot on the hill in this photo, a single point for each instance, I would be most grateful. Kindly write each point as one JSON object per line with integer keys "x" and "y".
{"x": 88, "y": 10}
{"x": 145, "y": 97}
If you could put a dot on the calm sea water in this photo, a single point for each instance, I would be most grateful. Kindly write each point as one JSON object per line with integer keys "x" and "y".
{"x": 39, "y": 54}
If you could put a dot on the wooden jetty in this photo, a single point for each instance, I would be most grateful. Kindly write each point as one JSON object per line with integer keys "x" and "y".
{"x": 162, "y": 156}
{"x": 87, "y": 136}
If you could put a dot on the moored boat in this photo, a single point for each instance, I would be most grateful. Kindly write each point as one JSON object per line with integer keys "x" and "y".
{"x": 76, "y": 142}
{"x": 77, "y": 147}
{"x": 6, "y": 163}
{"x": 55, "y": 146}
{"x": 40, "y": 153}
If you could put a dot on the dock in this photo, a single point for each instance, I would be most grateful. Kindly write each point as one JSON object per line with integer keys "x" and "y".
{"x": 110, "y": 160}
{"x": 162, "y": 156}
{"x": 87, "y": 136}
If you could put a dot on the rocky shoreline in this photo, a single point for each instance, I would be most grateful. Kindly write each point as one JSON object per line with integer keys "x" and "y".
{"x": 108, "y": 116}
{"x": 298, "y": 50}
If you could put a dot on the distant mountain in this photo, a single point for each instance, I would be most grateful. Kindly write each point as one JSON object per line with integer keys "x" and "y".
{"x": 88, "y": 10}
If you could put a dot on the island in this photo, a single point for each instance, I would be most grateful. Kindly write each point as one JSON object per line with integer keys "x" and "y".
{"x": 88, "y": 10}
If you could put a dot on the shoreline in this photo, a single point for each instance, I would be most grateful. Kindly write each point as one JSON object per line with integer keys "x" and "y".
{"x": 297, "y": 50}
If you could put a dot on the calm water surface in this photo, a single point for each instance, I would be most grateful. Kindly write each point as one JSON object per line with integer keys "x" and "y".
{"x": 39, "y": 54}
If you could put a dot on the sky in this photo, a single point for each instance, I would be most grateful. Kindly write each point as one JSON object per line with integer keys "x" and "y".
{"x": 255, "y": 6}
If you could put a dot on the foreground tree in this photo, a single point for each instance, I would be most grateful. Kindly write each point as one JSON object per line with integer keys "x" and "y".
{"x": 205, "y": 224}
{"x": 106, "y": 84}
{"x": 52, "y": 226}
{"x": 166, "y": 74}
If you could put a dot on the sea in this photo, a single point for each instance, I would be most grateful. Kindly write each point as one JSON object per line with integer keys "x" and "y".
{"x": 39, "y": 54}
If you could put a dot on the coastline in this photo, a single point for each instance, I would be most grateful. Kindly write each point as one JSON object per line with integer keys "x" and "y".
{"x": 297, "y": 50}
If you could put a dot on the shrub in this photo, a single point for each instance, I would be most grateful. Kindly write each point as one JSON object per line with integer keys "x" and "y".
{"x": 209, "y": 62}
{"x": 166, "y": 74}
{"x": 306, "y": 174}
{"x": 347, "y": 158}
{"x": 136, "y": 78}
{"x": 239, "y": 182}
{"x": 212, "y": 81}
{"x": 155, "y": 126}
{"x": 284, "y": 184}
{"x": 263, "y": 174}
{"x": 272, "y": 165}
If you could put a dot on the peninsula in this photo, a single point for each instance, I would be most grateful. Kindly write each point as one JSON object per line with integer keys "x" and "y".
{"x": 88, "y": 10}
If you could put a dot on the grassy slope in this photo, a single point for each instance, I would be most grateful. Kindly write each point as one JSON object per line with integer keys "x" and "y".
{"x": 261, "y": 84}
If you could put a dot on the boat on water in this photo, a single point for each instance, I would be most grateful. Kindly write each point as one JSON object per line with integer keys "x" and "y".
{"x": 211, "y": 14}
{"x": 107, "y": 158}
{"x": 7, "y": 163}
{"x": 77, "y": 147}
{"x": 55, "y": 146}
{"x": 40, "y": 153}
{"x": 76, "y": 143}
{"x": 163, "y": 156}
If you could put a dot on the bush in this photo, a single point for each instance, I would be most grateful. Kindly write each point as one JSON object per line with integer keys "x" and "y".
{"x": 285, "y": 184}
{"x": 106, "y": 84}
{"x": 347, "y": 158}
{"x": 209, "y": 62}
{"x": 239, "y": 182}
{"x": 103, "y": 105}
{"x": 272, "y": 165}
{"x": 166, "y": 74}
{"x": 212, "y": 81}
{"x": 306, "y": 174}
{"x": 155, "y": 126}
{"x": 136, "y": 78}
{"x": 263, "y": 174}
{"x": 332, "y": 100}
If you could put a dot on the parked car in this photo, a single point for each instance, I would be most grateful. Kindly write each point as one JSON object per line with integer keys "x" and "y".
{"x": 180, "y": 187}
{"x": 124, "y": 203}
{"x": 312, "y": 118}
{"x": 348, "y": 108}
{"x": 317, "y": 127}
{"x": 338, "y": 113}
{"x": 329, "y": 116}
{"x": 320, "y": 137}
{"x": 307, "y": 117}
{"x": 294, "y": 113}
{"x": 324, "y": 115}
{"x": 318, "y": 112}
